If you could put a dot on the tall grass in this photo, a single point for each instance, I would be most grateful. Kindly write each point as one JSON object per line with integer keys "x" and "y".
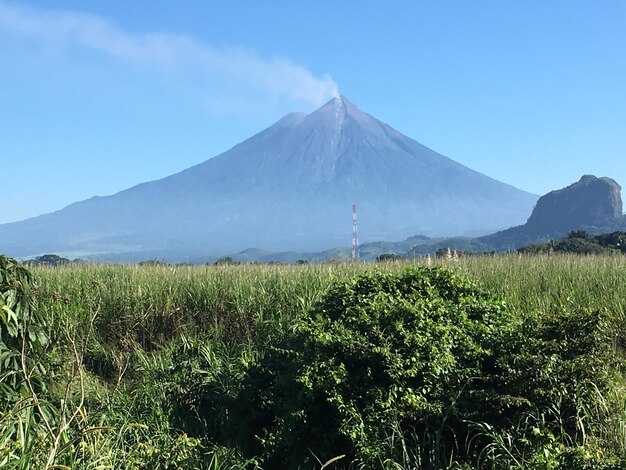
{"x": 130, "y": 323}
{"x": 157, "y": 300}
{"x": 531, "y": 284}
{"x": 150, "y": 305}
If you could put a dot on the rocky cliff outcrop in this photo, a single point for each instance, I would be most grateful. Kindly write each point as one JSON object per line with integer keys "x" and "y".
{"x": 591, "y": 204}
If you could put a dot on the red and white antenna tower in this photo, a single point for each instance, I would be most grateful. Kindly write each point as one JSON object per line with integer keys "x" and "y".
{"x": 355, "y": 237}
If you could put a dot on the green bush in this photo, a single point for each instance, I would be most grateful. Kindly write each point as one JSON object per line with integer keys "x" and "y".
{"x": 389, "y": 257}
{"x": 378, "y": 352}
{"x": 22, "y": 376}
{"x": 581, "y": 243}
{"x": 21, "y": 329}
{"x": 548, "y": 394}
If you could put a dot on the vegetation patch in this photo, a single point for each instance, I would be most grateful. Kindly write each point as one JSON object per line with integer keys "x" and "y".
{"x": 582, "y": 243}
{"x": 397, "y": 366}
{"x": 379, "y": 352}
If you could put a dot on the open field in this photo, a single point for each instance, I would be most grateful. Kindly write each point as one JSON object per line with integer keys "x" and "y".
{"x": 147, "y": 367}
{"x": 207, "y": 297}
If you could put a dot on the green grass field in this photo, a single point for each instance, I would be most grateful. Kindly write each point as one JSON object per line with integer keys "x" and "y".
{"x": 134, "y": 351}
{"x": 203, "y": 298}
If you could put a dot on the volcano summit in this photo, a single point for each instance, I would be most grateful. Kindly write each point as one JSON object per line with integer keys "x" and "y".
{"x": 290, "y": 187}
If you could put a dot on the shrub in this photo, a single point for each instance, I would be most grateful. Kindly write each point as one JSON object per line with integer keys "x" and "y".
{"x": 389, "y": 257}
{"x": 48, "y": 260}
{"x": 380, "y": 351}
{"x": 547, "y": 394}
{"x": 22, "y": 339}
{"x": 225, "y": 261}
{"x": 21, "y": 329}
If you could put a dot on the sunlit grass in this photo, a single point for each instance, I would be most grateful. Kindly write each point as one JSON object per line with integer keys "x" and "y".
{"x": 205, "y": 295}
{"x": 141, "y": 314}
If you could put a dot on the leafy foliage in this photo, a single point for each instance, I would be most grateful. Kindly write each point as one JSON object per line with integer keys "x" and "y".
{"x": 225, "y": 261}
{"x": 356, "y": 365}
{"x": 48, "y": 260}
{"x": 23, "y": 337}
{"x": 547, "y": 392}
{"x": 389, "y": 257}
{"x": 582, "y": 243}
{"x": 22, "y": 330}
{"x": 378, "y": 350}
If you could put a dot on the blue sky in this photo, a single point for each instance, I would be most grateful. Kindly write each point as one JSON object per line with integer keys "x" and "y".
{"x": 97, "y": 96}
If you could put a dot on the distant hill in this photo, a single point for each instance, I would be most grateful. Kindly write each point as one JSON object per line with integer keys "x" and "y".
{"x": 592, "y": 204}
{"x": 288, "y": 188}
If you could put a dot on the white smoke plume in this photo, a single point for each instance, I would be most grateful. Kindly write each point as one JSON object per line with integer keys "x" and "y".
{"x": 244, "y": 71}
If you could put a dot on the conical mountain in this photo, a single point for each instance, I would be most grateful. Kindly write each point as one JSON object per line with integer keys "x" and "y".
{"x": 290, "y": 187}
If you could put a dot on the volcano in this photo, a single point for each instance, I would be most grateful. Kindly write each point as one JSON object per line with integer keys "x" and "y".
{"x": 290, "y": 187}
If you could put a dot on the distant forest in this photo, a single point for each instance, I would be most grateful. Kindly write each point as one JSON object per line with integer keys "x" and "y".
{"x": 581, "y": 242}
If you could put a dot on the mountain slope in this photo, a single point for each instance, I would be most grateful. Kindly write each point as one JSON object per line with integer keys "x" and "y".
{"x": 290, "y": 187}
{"x": 591, "y": 204}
